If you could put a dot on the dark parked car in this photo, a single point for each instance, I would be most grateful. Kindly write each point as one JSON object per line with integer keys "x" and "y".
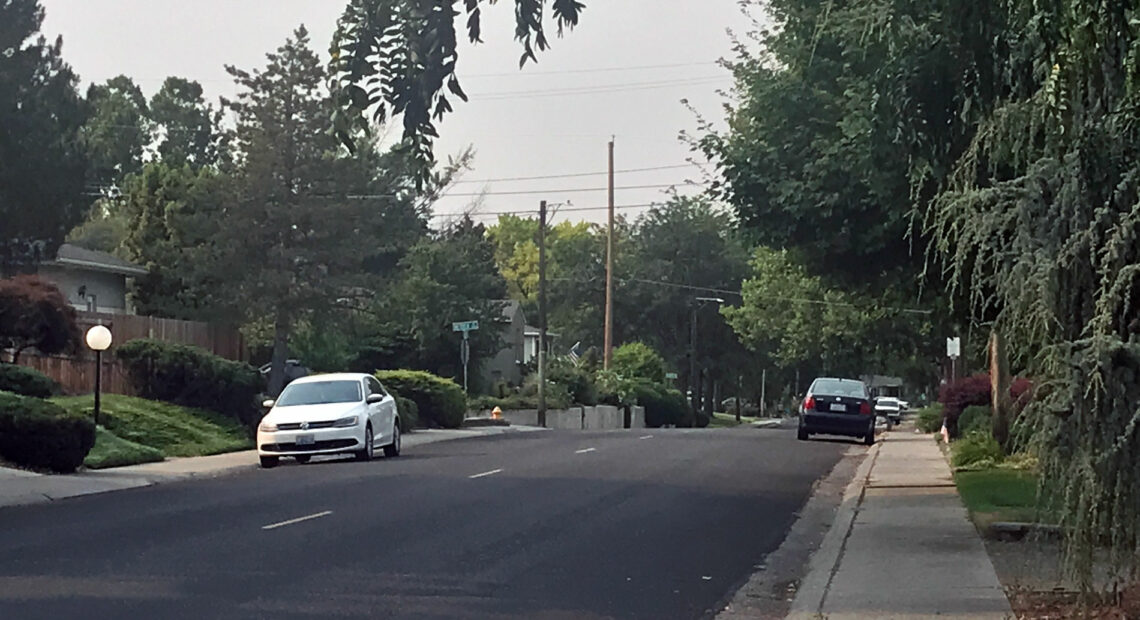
{"x": 838, "y": 407}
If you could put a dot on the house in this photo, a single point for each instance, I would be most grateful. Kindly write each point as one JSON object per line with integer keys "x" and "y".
{"x": 883, "y": 386}
{"x": 92, "y": 281}
{"x": 506, "y": 365}
{"x": 530, "y": 348}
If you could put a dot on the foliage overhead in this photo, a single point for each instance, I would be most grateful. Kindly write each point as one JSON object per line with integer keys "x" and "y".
{"x": 398, "y": 58}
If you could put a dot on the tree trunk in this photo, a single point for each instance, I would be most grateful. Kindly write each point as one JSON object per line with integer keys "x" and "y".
{"x": 999, "y": 389}
{"x": 280, "y": 353}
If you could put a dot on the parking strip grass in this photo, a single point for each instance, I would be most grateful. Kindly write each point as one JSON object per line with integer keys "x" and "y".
{"x": 999, "y": 494}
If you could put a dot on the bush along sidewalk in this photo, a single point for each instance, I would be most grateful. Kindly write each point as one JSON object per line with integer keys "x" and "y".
{"x": 26, "y": 381}
{"x": 193, "y": 377}
{"x": 39, "y": 434}
{"x": 439, "y": 402}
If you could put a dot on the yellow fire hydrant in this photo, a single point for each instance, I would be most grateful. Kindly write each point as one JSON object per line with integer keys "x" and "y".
{"x": 496, "y": 413}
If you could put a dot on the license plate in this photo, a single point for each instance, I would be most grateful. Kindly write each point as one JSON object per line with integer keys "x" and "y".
{"x": 304, "y": 440}
{"x": 838, "y": 407}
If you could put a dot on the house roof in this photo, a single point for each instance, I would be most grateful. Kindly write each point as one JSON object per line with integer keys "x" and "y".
{"x": 70, "y": 255}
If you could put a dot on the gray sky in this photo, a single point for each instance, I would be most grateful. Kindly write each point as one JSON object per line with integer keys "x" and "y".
{"x": 623, "y": 72}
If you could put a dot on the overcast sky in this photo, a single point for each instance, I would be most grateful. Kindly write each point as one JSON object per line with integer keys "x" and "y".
{"x": 623, "y": 72}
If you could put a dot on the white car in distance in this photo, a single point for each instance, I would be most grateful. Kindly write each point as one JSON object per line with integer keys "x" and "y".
{"x": 890, "y": 408}
{"x": 348, "y": 413}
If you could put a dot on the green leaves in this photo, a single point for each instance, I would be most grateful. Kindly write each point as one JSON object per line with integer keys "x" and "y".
{"x": 43, "y": 164}
{"x": 394, "y": 58}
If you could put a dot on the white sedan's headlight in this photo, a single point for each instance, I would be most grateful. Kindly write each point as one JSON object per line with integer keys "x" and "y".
{"x": 348, "y": 422}
{"x": 267, "y": 427}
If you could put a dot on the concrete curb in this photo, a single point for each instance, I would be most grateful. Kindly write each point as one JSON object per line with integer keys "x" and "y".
{"x": 825, "y": 561}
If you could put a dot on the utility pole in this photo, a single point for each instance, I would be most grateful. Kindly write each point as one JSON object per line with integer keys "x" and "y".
{"x": 542, "y": 314}
{"x": 607, "y": 354}
{"x": 694, "y": 380}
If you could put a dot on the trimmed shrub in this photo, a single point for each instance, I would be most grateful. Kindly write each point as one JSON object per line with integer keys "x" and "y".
{"x": 440, "y": 401}
{"x": 192, "y": 377}
{"x": 40, "y": 434}
{"x": 25, "y": 381}
{"x": 976, "y": 450}
{"x": 636, "y": 360}
{"x": 975, "y": 390}
{"x": 663, "y": 406}
{"x": 929, "y": 419}
{"x": 408, "y": 411}
{"x": 976, "y": 419}
{"x": 578, "y": 383}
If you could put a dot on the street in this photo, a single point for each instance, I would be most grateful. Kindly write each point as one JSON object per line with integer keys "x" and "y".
{"x": 651, "y": 524}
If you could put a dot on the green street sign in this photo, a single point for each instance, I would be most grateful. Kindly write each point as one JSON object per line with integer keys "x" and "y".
{"x": 670, "y": 375}
{"x": 466, "y": 326}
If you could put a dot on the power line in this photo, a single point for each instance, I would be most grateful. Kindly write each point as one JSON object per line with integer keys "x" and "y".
{"x": 598, "y": 90}
{"x": 576, "y": 174}
{"x": 590, "y": 70}
{"x": 532, "y": 211}
{"x": 572, "y": 190}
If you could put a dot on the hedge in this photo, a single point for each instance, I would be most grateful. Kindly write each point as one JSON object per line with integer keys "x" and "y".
{"x": 663, "y": 406}
{"x": 40, "y": 434}
{"x": 929, "y": 419}
{"x": 976, "y": 418}
{"x": 975, "y": 390}
{"x": 192, "y": 377}
{"x": 409, "y": 413}
{"x": 440, "y": 401}
{"x": 25, "y": 381}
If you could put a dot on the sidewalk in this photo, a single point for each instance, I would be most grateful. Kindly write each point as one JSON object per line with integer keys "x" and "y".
{"x": 902, "y": 545}
{"x": 18, "y": 487}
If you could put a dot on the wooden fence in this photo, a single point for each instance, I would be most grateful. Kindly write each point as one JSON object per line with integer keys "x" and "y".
{"x": 76, "y": 373}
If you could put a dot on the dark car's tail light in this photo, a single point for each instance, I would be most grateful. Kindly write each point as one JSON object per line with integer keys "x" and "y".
{"x": 865, "y": 408}
{"x": 809, "y": 403}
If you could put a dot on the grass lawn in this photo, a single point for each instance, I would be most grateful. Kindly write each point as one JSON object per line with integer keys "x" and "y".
{"x": 999, "y": 494}
{"x": 727, "y": 420}
{"x": 112, "y": 451}
{"x": 171, "y": 429}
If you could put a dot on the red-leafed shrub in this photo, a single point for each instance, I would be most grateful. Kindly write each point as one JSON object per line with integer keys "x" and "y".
{"x": 34, "y": 313}
{"x": 975, "y": 391}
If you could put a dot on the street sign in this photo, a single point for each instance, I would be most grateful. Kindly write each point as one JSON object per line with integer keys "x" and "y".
{"x": 670, "y": 375}
{"x": 465, "y": 326}
{"x": 953, "y": 347}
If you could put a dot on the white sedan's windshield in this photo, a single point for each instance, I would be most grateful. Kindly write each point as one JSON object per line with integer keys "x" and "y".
{"x": 320, "y": 393}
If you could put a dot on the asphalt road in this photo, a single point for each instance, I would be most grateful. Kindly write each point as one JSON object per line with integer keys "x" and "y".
{"x": 653, "y": 524}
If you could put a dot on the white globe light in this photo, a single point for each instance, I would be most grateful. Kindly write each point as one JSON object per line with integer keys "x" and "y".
{"x": 99, "y": 338}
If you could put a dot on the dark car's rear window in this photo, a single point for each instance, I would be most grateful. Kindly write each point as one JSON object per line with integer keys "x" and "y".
{"x": 835, "y": 387}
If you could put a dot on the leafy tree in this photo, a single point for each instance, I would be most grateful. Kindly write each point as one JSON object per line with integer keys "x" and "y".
{"x": 188, "y": 126}
{"x": 174, "y": 218}
{"x": 34, "y": 313}
{"x": 636, "y": 360}
{"x": 1037, "y": 227}
{"x": 104, "y": 229}
{"x": 450, "y": 278}
{"x": 681, "y": 250}
{"x": 300, "y": 222}
{"x": 396, "y": 57}
{"x": 118, "y": 131}
{"x": 42, "y": 161}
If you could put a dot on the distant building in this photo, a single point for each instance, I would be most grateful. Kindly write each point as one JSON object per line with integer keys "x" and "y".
{"x": 520, "y": 347}
{"x": 506, "y": 365}
{"x": 92, "y": 281}
{"x": 881, "y": 385}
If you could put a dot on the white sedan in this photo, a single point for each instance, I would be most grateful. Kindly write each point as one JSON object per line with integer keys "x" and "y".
{"x": 329, "y": 414}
